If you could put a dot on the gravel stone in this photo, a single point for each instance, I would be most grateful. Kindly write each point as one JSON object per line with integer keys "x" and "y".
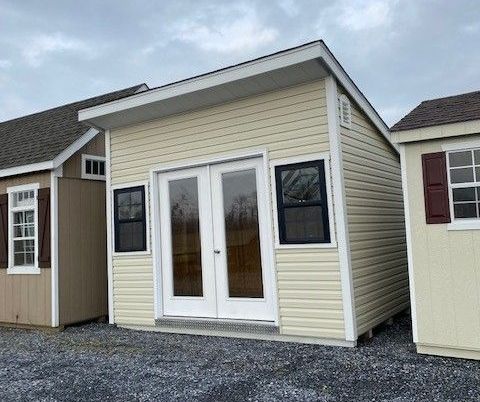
{"x": 98, "y": 362}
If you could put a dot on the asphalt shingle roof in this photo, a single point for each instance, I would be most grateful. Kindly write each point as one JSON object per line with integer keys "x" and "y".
{"x": 41, "y": 136}
{"x": 452, "y": 109}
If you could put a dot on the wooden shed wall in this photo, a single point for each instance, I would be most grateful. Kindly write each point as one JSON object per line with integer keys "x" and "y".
{"x": 82, "y": 259}
{"x": 73, "y": 166}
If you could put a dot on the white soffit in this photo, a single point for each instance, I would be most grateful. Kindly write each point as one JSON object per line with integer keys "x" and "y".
{"x": 286, "y": 68}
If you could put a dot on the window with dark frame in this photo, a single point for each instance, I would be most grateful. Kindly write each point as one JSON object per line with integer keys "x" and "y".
{"x": 302, "y": 203}
{"x": 130, "y": 219}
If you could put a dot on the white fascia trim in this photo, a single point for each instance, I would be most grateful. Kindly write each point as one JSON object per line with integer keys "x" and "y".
{"x": 310, "y": 51}
{"x": 461, "y": 145}
{"x": 408, "y": 230}
{"x": 109, "y": 212}
{"x": 53, "y": 164}
{"x": 340, "y": 207}
{"x": 55, "y": 174}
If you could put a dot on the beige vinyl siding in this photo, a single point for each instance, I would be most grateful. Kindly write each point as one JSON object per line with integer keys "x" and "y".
{"x": 376, "y": 226}
{"x": 446, "y": 269}
{"x": 288, "y": 122}
{"x": 26, "y": 299}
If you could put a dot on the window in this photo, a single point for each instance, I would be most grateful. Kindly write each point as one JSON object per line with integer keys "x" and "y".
{"x": 23, "y": 242}
{"x": 464, "y": 179}
{"x": 302, "y": 203}
{"x": 93, "y": 167}
{"x": 130, "y": 220}
{"x": 345, "y": 111}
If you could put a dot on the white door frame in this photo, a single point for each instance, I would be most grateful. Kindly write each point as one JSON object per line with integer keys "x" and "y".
{"x": 156, "y": 224}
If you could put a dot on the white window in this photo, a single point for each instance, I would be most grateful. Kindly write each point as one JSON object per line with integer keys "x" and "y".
{"x": 93, "y": 167}
{"x": 345, "y": 111}
{"x": 464, "y": 181}
{"x": 23, "y": 233}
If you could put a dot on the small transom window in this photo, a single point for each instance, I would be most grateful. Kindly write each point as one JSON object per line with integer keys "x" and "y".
{"x": 93, "y": 167}
{"x": 464, "y": 179}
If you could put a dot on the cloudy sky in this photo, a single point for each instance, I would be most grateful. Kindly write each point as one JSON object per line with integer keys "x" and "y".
{"x": 397, "y": 51}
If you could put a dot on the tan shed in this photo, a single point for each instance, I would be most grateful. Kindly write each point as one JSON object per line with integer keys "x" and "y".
{"x": 440, "y": 150}
{"x": 53, "y": 258}
{"x": 261, "y": 200}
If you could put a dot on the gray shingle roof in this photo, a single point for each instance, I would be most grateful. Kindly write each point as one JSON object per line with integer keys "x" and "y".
{"x": 452, "y": 109}
{"x": 42, "y": 136}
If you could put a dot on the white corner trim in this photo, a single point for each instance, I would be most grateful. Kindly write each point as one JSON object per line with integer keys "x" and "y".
{"x": 408, "y": 231}
{"x": 53, "y": 164}
{"x": 109, "y": 212}
{"x": 55, "y": 174}
{"x": 340, "y": 210}
{"x": 325, "y": 156}
{"x": 154, "y": 218}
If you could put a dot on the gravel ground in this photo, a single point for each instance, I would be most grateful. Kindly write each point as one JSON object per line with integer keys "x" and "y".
{"x": 101, "y": 362}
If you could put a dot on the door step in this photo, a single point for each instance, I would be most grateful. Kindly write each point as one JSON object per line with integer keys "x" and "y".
{"x": 252, "y": 327}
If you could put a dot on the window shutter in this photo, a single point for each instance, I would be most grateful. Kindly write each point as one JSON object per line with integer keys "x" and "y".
{"x": 3, "y": 230}
{"x": 435, "y": 185}
{"x": 44, "y": 227}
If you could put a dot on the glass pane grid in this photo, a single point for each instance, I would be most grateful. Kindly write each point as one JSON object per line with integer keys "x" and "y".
{"x": 464, "y": 166}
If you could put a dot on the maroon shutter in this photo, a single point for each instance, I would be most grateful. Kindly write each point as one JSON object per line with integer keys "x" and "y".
{"x": 44, "y": 227}
{"x": 435, "y": 186}
{"x": 3, "y": 230}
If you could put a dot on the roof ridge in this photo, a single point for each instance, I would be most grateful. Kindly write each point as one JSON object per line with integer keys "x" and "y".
{"x": 450, "y": 96}
{"x": 70, "y": 104}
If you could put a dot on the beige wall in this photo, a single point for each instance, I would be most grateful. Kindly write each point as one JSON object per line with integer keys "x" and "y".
{"x": 82, "y": 257}
{"x": 25, "y": 299}
{"x": 73, "y": 166}
{"x": 376, "y": 226}
{"x": 446, "y": 270}
{"x": 289, "y": 122}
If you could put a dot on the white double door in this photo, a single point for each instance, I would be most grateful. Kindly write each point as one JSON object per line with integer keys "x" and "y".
{"x": 215, "y": 243}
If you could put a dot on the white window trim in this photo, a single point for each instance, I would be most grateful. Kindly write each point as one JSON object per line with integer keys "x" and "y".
{"x": 460, "y": 223}
{"x": 145, "y": 184}
{"x": 22, "y": 270}
{"x": 84, "y": 167}
{"x": 331, "y": 221}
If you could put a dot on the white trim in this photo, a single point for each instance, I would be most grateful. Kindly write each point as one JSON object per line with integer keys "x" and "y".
{"x": 109, "y": 211}
{"x": 289, "y": 57}
{"x": 92, "y": 176}
{"x": 154, "y": 218}
{"x": 461, "y": 146}
{"x": 408, "y": 232}
{"x": 331, "y": 221}
{"x": 55, "y": 174}
{"x": 30, "y": 269}
{"x": 53, "y": 164}
{"x": 340, "y": 207}
{"x": 145, "y": 184}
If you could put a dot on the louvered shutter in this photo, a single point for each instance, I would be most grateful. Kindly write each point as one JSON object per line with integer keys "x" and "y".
{"x": 3, "y": 230}
{"x": 435, "y": 185}
{"x": 44, "y": 227}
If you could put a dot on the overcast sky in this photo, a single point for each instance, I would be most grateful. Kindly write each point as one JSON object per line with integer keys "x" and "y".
{"x": 398, "y": 52}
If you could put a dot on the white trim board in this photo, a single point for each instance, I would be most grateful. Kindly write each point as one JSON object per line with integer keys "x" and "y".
{"x": 55, "y": 174}
{"x": 340, "y": 208}
{"x": 54, "y": 163}
{"x": 311, "y": 51}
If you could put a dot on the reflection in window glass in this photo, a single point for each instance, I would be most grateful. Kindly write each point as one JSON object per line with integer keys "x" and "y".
{"x": 130, "y": 220}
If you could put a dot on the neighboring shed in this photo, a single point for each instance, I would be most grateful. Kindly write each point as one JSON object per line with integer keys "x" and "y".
{"x": 440, "y": 150}
{"x": 260, "y": 200}
{"x": 52, "y": 217}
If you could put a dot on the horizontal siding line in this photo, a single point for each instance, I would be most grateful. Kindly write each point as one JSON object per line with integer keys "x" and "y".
{"x": 352, "y": 168}
{"x": 373, "y": 192}
{"x": 365, "y": 245}
{"x": 365, "y": 227}
{"x": 365, "y": 177}
{"x": 330, "y": 294}
{"x": 349, "y": 150}
{"x": 164, "y": 148}
{"x": 300, "y": 331}
{"x": 193, "y": 116}
{"x": 391, "y": 257}
{"x": 384, "y": 303}
{"x": 369, "y": 211}
{"x": 313, "y": 322}
{"x": 366, "y": 144}
{"x": 354, "y": 161}
{"x": 304, "y": 312}
{"x": 385, "y": 251}
{"x": 310, "y": 304}
{"x": 137, "y": 162}
{"x": 365, "y": 293}
{"x": 370, "y": 318}
{"x": 379, "y": 234}
{"x": 202, "y": 125}
{"x": 371, "y": 275}
{"x": 373, "y": 269}
{"x": 390, "y": 216}
{"x": 358, "y": 201}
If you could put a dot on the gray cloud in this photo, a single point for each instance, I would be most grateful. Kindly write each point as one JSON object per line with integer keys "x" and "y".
{"x": 399, "y": 52}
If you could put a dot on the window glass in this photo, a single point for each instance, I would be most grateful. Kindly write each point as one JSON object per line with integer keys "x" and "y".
{"x": 463, "y": 158}
{"x": 94, "y": 167}
{"x": 302, "y": 203}
{"x": 130, "y": 221}
{"x": 462, "y": 175}
{"x": 23, "y": 228}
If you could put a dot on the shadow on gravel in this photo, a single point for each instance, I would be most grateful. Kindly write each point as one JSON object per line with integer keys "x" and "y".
{"x": 100, "y": 362}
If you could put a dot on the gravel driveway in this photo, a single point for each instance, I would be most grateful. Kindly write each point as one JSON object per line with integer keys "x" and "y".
{"x": 100, "y": 362}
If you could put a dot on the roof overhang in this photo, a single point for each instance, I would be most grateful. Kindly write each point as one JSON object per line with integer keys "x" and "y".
{"x": 441, "y": 131}
{"x": 279, "y": 70}
{"x": 54, "y": 163}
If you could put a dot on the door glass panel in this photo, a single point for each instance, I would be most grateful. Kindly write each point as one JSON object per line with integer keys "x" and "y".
{"x": 242, "y": 235}
{"x": 186, "y": 246}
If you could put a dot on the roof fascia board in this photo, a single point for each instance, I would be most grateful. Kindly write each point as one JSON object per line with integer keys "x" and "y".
{"x": 256, "y": 67}
{"x": 52, "y": 164}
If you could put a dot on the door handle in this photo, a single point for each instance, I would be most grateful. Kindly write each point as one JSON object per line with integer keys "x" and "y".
{"x": 216, "y": 251}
